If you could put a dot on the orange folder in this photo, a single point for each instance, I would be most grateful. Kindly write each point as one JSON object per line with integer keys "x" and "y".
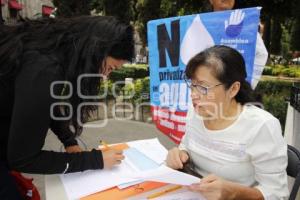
{"x": 116, "y": 194}
{"x": 121, "y": 146}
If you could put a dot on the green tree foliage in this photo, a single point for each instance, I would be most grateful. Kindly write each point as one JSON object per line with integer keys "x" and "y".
{"x": 275, "y": 14}
{"x": 275, "y": 47}
{"x": 121, "y": 9}
{"x": 71, "y": 8}
{"x": 147, "y": 10}
{"x": 182, "y": 7}
{"x": 281, "y": 17}
{"x": 285, "y": 43}
{"x": 295, "y": 40}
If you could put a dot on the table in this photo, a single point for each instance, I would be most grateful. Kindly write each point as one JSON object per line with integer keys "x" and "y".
{"x": 54, "y": 189}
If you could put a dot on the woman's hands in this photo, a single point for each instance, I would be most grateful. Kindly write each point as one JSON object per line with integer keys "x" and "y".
{"x": 214, "y": 188}
{"x": 176, "y": 158}
{"x": 112, "y": 157}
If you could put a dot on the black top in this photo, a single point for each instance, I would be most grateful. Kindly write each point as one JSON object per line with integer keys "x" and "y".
{"x": 25, "y": 103}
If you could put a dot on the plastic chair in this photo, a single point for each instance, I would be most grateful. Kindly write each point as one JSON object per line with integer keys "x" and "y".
{"x": 293, "y": 169}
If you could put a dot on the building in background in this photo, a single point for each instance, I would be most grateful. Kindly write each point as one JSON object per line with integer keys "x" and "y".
{"x": 13, "y": 10}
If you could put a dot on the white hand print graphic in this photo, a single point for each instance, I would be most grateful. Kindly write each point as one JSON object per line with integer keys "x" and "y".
{"x": 234, "y": 26}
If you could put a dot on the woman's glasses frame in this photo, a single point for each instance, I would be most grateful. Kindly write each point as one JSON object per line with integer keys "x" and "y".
{"x": 200, "y": 88}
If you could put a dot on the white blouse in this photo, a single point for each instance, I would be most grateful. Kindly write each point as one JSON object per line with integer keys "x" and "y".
{"x": 251, "y": 151}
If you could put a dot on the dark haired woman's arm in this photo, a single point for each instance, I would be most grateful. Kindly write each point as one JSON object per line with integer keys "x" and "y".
{"x": 30, "y": 122}
{"x": 62, "y": 130}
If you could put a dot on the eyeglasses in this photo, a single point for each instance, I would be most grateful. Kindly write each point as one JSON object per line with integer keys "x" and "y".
{"x": 200, "y": 88}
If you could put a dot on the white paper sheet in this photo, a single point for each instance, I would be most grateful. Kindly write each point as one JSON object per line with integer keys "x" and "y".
{"x": 81, "y": 184}
{"x": 167, "y": 175}
{"x": 152, "y": 148}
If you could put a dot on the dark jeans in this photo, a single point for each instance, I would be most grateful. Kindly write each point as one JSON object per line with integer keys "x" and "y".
{"x": 8, "y": 188}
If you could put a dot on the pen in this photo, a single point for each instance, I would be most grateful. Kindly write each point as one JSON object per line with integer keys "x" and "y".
{"x": 106, "y": 147}
{"x": 164, "y": 192}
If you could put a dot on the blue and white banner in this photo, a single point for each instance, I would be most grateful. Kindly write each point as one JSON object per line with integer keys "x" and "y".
{"x": 172, "y": 42}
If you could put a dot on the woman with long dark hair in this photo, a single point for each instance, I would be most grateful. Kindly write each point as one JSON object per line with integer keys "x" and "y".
{"x": 41, "y": 61}
{"x": 236, "y": 146}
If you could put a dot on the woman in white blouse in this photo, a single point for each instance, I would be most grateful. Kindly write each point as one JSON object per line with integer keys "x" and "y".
{"x": 236, "y": 146}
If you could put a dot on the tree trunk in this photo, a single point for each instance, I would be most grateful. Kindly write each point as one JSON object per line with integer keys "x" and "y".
{"x": 275, "y": 46}
{"x": 267, "y": 32}
{"x": 1, "y": 17}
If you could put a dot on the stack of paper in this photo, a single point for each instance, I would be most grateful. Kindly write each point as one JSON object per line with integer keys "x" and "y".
{"x": 81, "y": 184}
{"x": 165, "y": 174}
{"x": 139, "y": 161}
{"x": 152, "y": 148}
{"x": 143, "y": 162}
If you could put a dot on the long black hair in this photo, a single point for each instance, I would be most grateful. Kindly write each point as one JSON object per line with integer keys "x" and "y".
{"x": 79, "y": 45}
{"x": 227, "y": 65}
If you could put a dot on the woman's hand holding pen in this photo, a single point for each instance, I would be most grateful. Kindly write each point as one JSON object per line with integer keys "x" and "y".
{"x": 112, "y": 157}
{"x": 176, "y": 158}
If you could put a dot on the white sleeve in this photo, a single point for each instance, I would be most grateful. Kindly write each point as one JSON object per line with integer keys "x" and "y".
{"x": 260, "y": 60}
{"x": 268, "y": 152}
